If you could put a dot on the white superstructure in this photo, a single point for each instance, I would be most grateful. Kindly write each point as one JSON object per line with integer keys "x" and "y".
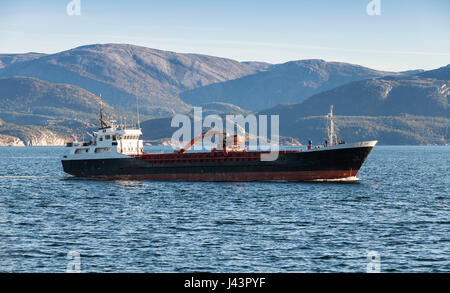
{"x": 110, "y": 141}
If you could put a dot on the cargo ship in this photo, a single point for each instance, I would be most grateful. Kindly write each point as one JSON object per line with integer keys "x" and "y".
{"x": 116, "y": 152}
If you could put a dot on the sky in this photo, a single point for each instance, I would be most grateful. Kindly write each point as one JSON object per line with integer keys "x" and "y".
{"x": 405, "y": 35}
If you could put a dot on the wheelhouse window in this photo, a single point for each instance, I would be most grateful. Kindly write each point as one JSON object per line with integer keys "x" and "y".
{"x": 102, "y": 150}
{"x": 81, "y": 151}
{"x": 107, "y": 137}
{"x": 130, "y": 137}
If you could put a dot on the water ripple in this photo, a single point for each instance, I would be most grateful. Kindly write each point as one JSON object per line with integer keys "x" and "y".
{"x": 399, "y": 208}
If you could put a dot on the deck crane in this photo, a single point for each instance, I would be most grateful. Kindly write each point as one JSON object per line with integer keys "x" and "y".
{"x": 197, "y": 138}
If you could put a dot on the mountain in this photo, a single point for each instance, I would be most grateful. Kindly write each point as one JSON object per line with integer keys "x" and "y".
{"x": 31, "y": 135}
{"x": 414, "y": 71}
{"x": 42, "y": 113}
{"x": 122, "y": 73}
{"x": 388, "y": 130}
{"x": 45, "y": 98}
{"x": 217, "y": 108}
{"x": 423, "y": 94}
{"x": 7, "y": 140}
{"x": 37, "y": 97}
{"x": 8, "y": 59}
{"x": 404, "y": 109}
{"x": 442, "y": 73}
{"x": 159, "y": 130}
{"x": 282, "y": 83}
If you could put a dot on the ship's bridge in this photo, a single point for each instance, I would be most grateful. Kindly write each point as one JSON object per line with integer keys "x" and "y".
{"x": 109, "y": 141}
{"x": 125, "y": 141}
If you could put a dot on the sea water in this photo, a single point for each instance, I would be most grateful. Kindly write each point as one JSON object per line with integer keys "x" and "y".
{"x": 398, "y": 210}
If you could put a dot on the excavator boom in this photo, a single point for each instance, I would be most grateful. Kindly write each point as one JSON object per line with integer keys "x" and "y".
{"x": 197, "y": 138}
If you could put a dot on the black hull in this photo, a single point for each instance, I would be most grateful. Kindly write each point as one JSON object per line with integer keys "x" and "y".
{"x": 290, "y": 166}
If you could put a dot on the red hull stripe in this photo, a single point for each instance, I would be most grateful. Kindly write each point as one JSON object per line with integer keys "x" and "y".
{"x": 239, "y": 177}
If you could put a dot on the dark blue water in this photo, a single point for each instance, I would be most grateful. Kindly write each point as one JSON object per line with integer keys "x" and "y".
{"x": 400, "y": 209}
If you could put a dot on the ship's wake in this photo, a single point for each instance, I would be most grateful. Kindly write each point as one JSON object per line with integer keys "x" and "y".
{"x": 350, "y": 179}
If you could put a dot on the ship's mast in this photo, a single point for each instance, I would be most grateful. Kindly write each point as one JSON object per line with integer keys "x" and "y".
{"x": 332, "y": 140}
{"x": 103, "y": 123}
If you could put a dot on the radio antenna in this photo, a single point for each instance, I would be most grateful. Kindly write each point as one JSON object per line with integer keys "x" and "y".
{"x": 137, "y": 111}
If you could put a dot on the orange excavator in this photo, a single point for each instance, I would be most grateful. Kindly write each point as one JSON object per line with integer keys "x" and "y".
{"x": 197, "y": 138}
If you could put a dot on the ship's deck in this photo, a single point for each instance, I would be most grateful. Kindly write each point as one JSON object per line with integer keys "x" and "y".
{"x": 213, "y": 156}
